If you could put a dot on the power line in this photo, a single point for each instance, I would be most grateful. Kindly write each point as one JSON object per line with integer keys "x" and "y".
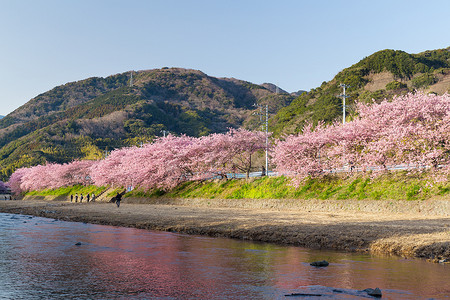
{"x": 344, "y": 96}
{"x": 264, "y": 127}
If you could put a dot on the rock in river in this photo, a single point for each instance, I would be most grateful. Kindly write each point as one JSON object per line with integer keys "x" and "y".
{"x": 322, "y": 263}
{"x": 374, "y": 292}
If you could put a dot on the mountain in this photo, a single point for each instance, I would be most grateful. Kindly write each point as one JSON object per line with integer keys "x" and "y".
{"x": 83, "y": 119}
{"x": 273, "y": 88}
{"x": 298, "y": 93}
{"x": 87, "y": 118}
{"x": 381, "y": 75}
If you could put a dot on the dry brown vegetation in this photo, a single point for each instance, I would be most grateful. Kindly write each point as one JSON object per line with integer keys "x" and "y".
{"x": 378, "y": 81}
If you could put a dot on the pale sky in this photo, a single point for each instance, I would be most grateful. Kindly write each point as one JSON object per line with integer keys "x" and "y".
{"x": 293, "y": 44}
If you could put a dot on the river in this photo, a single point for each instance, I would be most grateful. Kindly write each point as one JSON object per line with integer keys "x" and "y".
{"x": 49, "y": 259}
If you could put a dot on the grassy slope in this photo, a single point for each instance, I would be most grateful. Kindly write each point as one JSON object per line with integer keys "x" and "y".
{"x": 398, "y": 186}
{"x": 69, "y": 190}
{"x": 395, "y": 186}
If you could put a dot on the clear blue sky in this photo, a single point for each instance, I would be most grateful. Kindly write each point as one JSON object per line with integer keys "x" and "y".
{"x": 294, "y": 44}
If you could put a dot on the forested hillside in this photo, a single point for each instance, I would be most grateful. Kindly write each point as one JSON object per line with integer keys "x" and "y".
{"x": 381, "y": 75}
{"x": 85, "y": 119}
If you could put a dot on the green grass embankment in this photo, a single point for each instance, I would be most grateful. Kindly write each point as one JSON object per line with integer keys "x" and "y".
{"x": 395, "y": 186}
{"x": 65, "y": 192}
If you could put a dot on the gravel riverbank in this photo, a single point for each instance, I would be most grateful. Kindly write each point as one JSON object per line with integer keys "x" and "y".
{"x": 419, "y": 230}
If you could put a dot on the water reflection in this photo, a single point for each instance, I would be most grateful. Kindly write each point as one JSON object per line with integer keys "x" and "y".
{"x": 39, "y": 259}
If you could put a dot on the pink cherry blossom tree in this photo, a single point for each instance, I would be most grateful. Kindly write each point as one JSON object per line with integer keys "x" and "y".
{"x": 165, "y": 163}
{"x": 50, "y": 176}
{"x": 110, "y": 171}
{"x": 411, "y": 130}
{"x": 171, "y": 160}
{"x": 73, "y": 173}
{"x": 15, "y": 180}
{"x": 162, "y": 164}
{"x": 303, "y": 154}
{"x": 242, "y": 147}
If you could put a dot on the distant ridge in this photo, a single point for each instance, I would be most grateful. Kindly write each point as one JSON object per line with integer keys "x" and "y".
{"x": 298, "y": 93}
{"x": 273, "y": 88}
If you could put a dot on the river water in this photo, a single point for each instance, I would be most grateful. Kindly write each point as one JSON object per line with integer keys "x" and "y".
{"x": 40, "y": 260}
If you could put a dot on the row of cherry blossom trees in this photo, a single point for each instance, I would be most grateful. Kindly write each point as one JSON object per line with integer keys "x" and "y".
{"x": 411, "y": 130}
{"x": 51, "y": 176}
{"x": 163, "y": 164}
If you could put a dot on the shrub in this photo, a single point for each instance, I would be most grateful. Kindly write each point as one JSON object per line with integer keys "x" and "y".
{"x": 395, "y": 85}
{"x": 423, "y": 80}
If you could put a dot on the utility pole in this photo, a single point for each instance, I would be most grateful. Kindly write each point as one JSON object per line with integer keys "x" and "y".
{"x": 344, "y": 86}
{"x": 131, "y": 79}
{"x": 164, "y": 132}
{"x": 264, "y": 127}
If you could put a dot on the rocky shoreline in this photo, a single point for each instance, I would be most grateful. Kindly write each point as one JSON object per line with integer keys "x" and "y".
{"x": 419, "y": 230}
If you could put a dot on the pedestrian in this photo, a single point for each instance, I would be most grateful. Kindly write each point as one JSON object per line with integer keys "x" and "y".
{"x": 76, "y": 197}
{"x": 93, "y": 197}
{"x": 71, "y": 198}
{"x": 87, "y": 197}
{"x": 81, "y": 198}
{"x": 118, "y": 198}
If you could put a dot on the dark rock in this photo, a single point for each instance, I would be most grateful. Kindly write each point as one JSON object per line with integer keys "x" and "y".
{"x": 78, "y": 244}
{"x": 322, "y": 263}
{"x": 373, "y": 292}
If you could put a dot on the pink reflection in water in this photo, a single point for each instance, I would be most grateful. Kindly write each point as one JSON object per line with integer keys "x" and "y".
{"x": 115, "y": 262}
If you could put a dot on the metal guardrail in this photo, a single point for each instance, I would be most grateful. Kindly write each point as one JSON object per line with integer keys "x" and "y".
{"x": 251, "y": 174}
{"x": 349, "y": 169}
{"x": 345, "y": 169}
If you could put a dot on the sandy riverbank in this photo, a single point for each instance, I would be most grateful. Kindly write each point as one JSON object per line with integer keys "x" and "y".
{"x": 420, "y": 231}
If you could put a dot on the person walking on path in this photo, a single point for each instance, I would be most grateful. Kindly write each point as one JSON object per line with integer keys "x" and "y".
{"x": 71, "y": 198}
{"x": 117, "y": 198}
{"x": 76, "y": 197}
{"x": 81, "y": 198}
{"x": 87, "y": 197}
{"x": 93, "y": 197}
